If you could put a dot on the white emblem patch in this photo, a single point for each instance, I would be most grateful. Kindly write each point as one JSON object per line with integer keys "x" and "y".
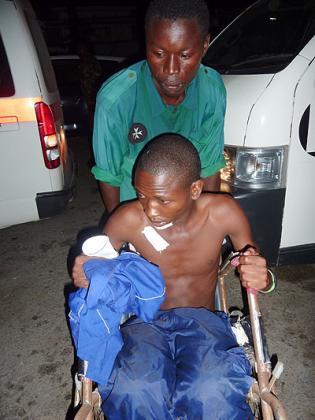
{"x": 137, "y": 133}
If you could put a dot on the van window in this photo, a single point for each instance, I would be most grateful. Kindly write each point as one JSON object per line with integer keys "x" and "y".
{"x": 42, "y": 53}
{"x": 265, "y": 39}
{"x": 6, "y": 81}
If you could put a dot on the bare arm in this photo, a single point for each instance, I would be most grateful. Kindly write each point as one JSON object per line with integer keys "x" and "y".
{"x": 252, "y": 266}
{"x": 253, "y": 270}
{"x": 212, "y": 183}
{"x": 110, "y": 196}
{"x": 120, "y": 225}
{"x": 78, "y": 276}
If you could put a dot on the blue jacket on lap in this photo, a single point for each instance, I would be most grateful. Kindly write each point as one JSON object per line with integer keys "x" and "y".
{"x": 123, "y": 285}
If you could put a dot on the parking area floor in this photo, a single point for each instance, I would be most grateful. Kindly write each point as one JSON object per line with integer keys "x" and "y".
{"x": 36, "y": 349}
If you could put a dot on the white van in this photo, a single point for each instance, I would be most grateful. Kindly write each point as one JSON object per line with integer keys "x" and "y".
{"x": 266, "y": 57}
{"x": 37, "y": 174}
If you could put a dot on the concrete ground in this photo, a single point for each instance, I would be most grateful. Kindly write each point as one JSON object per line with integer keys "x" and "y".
{"x": 36, "y": 350}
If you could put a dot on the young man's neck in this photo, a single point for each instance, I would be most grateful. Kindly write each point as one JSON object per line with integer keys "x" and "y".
{"x": 186, "y": 219}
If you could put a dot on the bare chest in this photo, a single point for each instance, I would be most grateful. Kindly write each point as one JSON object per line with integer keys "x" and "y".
{"x": 187, "y": 253}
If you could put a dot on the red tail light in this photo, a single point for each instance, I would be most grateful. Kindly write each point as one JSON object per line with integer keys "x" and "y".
{"x": 48, "y": 135}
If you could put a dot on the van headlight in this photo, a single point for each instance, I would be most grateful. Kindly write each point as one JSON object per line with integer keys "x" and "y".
{"x": 255, "y": 168}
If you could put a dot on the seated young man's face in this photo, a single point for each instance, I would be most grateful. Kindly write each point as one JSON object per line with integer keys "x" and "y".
{"x": 163, "y": 198}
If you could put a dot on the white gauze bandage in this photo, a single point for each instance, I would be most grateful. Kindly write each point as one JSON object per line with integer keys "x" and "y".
{"x": 155, "y": 239}
{"x": 99, "y": 246}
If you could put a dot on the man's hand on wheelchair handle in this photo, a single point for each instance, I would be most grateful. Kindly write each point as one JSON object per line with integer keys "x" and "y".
{"x": 253, "y": 270}
{"x": 78, "y": 276}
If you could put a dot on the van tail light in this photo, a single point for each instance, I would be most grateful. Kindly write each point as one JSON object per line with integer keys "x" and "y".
{"x": 48, "y": 135}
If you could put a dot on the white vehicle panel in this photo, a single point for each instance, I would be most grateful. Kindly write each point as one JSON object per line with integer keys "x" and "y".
{"x": 298, "y": 221}
{"x": 239, "y": 105}
{"x": 14, "y": 215}
{"x": 18, "y": 46}
{"x": 24, "y": 175}
{"x": 23, "y": 164}
{"x": 269, "y": 122}
{"x": 309, "y": 50}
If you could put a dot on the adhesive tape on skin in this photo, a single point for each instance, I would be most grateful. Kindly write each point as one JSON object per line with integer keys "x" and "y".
{"x": 155, "y": 239}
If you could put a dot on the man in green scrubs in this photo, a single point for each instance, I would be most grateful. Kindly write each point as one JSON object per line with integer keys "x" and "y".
{"x": 171, "y": 91}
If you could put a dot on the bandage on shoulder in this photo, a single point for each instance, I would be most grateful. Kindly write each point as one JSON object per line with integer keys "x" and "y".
{"x": 155, "y": 239}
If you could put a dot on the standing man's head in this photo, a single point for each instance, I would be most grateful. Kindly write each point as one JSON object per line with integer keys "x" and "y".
{"x": 176, "y": 40}
{"x": 167, "y": 179}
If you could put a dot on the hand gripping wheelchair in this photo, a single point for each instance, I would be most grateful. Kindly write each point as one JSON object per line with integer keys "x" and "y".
{"x": 249, "y": 332}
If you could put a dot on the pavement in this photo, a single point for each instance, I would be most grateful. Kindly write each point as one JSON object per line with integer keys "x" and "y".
{"x": 36, "y": 350}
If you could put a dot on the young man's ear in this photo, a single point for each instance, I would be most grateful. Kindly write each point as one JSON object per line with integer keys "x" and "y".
{"x": 196, "y": 189}
{"x": 206, "y": 44}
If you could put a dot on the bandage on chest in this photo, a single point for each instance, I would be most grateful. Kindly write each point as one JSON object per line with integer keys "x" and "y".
{"x": 156, "y": 240}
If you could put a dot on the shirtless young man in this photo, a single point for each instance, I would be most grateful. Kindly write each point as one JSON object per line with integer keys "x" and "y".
{"x": 186, "y": 363}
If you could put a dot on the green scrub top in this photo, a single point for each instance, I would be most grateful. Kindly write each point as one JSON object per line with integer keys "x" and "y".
{"x": 130, "y": 112}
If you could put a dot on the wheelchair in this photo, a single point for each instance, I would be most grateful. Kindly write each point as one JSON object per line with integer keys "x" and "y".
{"x": 248, "y": 329}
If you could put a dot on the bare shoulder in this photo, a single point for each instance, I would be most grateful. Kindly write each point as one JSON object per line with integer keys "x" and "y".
{"x": 222, "y": 209}
{"x": 127, "y": 213}
{"x": 127, "y": 218}
{"x": 226, "y": 215}
{"x": 218, "y": 204}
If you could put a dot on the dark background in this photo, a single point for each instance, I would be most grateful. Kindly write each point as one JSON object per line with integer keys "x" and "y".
{"x": 113, "y": 27}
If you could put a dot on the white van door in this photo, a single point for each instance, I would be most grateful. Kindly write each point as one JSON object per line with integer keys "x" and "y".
{"x": 298, "y": 222}
{"x": 37, "y": 173}
{"x": 266, "y": 58}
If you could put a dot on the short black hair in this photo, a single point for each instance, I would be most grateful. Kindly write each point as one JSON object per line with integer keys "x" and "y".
{"x": 172, "y": 154}
{"x": 179, "y": 9}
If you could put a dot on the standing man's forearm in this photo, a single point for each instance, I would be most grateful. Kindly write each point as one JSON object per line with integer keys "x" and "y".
{"x": 110, "y": 196}
{"x": 212, "y": 183}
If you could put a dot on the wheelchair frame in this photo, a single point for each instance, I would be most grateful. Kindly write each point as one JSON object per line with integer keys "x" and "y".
{"x": 262, "y": 396}
{"x": 263, "y": 392}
